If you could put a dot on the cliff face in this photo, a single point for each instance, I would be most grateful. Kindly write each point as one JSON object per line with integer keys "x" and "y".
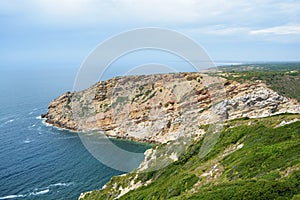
{"x": 163, "y": 107}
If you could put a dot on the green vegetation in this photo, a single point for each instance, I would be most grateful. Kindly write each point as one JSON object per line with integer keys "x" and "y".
{"x": 149, "y": 96}
{"x": 283, "y": 78}
{"x": 276, "y": 66}
{"x": 286, "y": 188}
{"x": 144, "y": 95}
{"x": 120, "y": 100}
{"x": 265, "y": 166}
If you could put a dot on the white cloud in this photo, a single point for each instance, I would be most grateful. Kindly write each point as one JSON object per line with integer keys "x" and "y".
{"x": 278, "y": 34}
{"x": 217, "y": 30}
{"x": 70, "y": 11}
{"x": 157, "y": 11}
{"x": 278, "y": 30}
{"x": 63, "y": 8}
{"x": 235, "y": 13}
{"x": 218, "y": 21}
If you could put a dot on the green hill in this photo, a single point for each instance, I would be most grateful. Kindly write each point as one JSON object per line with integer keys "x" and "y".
{"x": 252, "y": 159}
{"x": 283, "y": 78}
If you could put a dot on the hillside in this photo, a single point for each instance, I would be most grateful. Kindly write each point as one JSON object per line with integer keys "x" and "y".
{"x": 222, "y": 134}
{"x": 283, "y": 78}
{"x": 253, "y": 159}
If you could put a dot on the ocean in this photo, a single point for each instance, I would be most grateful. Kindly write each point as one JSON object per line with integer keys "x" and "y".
{"x": 39, "y": 161}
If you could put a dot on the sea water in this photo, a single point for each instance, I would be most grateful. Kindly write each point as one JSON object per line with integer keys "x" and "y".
{"x": 39, "y": 161}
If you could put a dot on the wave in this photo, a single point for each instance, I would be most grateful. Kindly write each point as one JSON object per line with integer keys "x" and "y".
{"x": 13, "y": 196}
{"x": 26, "y": 195}
{"x": 61, "y": 184}
{"x": 8, "y": 118}
{"x": 46, "y": 124}
{"x": 58, "y": 128}
{"x": 26, "y": 141}
{"x": 9, "y": 121}
{"x": 39, "y": 192}
{"x": 31, "y": 127}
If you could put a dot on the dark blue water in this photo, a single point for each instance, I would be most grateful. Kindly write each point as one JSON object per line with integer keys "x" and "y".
{"x": 39, "y": 161}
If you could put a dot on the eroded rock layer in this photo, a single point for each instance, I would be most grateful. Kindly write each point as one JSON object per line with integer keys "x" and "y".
{"x": 159, "y": 108}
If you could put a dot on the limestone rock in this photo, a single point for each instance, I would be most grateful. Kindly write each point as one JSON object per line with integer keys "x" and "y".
{"x": 162, "y": 107}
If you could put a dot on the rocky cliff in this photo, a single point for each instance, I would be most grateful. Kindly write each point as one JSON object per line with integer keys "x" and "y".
{"x": 159, "y": 108}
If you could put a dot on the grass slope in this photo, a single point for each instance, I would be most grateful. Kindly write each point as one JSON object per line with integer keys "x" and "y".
{"x": 253, "y": 159}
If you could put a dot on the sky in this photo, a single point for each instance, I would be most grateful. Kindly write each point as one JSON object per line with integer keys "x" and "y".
{"x": 64, "y": 32}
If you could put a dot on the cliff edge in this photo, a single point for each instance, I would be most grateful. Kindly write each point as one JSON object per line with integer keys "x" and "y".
{"x": 162, "y": 107}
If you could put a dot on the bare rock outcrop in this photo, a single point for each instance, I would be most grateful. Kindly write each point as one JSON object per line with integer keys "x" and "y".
{"x": 162, "y": 107}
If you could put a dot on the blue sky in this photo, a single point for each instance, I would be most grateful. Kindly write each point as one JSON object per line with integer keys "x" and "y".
{"x": 40, "y": 32}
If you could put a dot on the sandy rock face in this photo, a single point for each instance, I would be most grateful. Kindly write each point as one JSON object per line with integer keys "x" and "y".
{"x": 159, "y": 108}
{"x": 60, "y": 113}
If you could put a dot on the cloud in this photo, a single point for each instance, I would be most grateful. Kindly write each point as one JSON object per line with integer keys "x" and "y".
{"x": 278, "y": 30}
{"x": 277, "y": 20}
{"x": 220, "y": 29}
{"x": 243, "y": 23}
{"x": 283, "y": 30}
{"x": 156, "y": 11}
{"x": 285, "y": 34}
{"x": 63, "y": 8}
{"x": 236, "y": 16}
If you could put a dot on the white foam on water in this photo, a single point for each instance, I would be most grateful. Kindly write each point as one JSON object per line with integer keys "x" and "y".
{"x": 39, "y": 192}
{"x": 13, "y": 196}
{"x": 31, "y": 126}
{"x": 46, "y": 124}
{"x": 50, "y": 125}
{"x": 45, "y": 191}
{"x": 58, "y": 128}
{"x": 26, "y": 141}
{"x": 61, "y": 184}
{"x": 9, "y": 121}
